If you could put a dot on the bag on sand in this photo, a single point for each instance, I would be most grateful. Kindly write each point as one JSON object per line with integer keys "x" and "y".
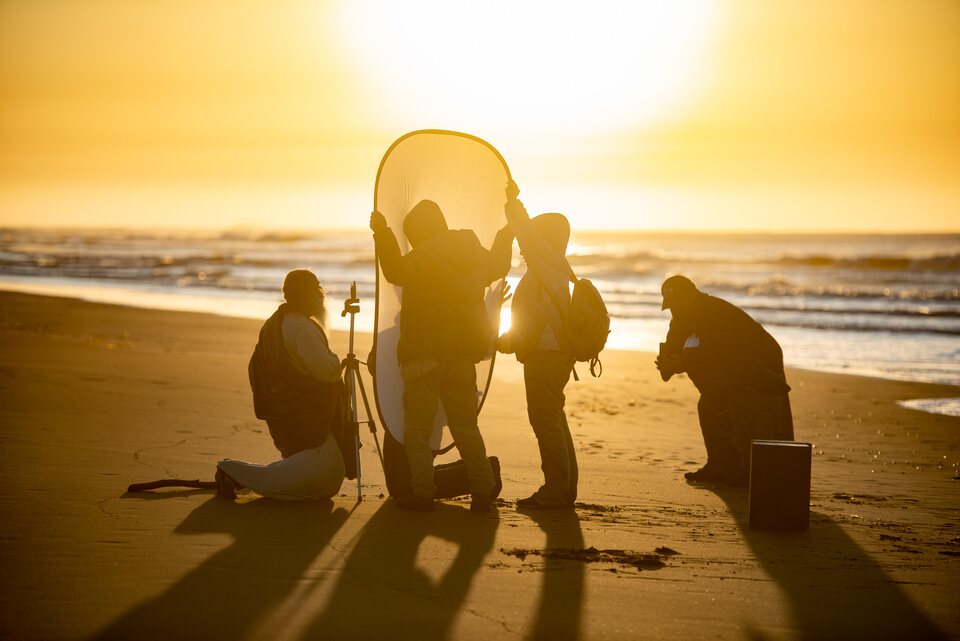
{"x": 450, "y": 478}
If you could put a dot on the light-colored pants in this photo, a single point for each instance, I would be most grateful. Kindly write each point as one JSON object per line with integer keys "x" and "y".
{"x": 308, "y": 475}
{"x": 453, "y": 383}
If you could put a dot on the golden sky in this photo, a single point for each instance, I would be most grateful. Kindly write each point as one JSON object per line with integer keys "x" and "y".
{"x": 694, "y": 114}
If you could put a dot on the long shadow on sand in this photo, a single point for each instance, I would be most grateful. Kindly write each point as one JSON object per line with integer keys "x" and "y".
{"x": 275, "y": 543}
{"x": 561, "y": 597}
{"x": 383, "y": 594}
{"x": 835, "y": 589}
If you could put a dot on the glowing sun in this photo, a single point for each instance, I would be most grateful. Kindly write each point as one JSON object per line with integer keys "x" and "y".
{"x": 515, "y": 67}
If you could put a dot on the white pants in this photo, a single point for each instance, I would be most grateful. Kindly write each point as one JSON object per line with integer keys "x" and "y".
{"x": 308, "y": 475}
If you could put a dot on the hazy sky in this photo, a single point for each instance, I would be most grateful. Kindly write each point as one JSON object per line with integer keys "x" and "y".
{"x": 696, "y": 114}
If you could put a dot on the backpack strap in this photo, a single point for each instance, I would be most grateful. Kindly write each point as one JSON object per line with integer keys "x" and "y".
{"x": 556, "y": 303}
{"x": 595, "y": 365}
{"x": 444, "y": 450}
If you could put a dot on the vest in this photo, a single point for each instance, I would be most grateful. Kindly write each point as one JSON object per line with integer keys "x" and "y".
{"x": 299, "y": 410}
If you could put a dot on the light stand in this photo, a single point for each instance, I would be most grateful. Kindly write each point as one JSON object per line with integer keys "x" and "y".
{"x": 355, "y": 381}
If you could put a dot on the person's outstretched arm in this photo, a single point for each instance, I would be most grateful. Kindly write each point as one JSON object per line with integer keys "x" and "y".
{"x": 388, "y": 250}
{"x": 548, "y": 263}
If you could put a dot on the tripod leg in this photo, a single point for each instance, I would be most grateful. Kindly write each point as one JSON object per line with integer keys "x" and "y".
{"x": 370, "y": 423}
{"x": 352, "y": 387}
{"x": 359, "y": 494}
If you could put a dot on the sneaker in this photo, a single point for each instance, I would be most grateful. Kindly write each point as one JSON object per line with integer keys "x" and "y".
{"x": 480, "y": 503}
{"x": 226, "y": 487}
{"x": 416, "y": 503}
{"x": 707, "y": 474}
{"x": 534, "y": 502}
{"x": 716, "y": 474}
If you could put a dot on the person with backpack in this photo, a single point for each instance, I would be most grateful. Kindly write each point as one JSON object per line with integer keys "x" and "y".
{"x": 444, "y": 332}
{"x": 297, "y": 389}
{"x": 537, "y": 336}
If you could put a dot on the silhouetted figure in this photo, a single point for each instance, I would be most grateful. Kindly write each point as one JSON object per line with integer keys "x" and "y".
{"x": 738, "y": 369}
{"x": 297, "y": 389}
{"x": 444, "y": 332}
{"x": 537, "y": 337}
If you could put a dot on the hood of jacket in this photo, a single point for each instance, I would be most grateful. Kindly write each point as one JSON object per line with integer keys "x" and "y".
{"x": 454, "y": 249}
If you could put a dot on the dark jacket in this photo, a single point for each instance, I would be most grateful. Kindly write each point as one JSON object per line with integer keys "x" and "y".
{"x": 735, "y": 353}
{"x": 300, "y": 410}
{"x": 443, "y": 316}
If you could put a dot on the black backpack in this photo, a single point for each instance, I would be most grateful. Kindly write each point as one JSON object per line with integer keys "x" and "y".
{"x": 588, "y": 324}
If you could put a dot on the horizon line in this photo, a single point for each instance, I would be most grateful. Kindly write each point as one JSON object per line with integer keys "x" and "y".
{"x": 362, "y": 229}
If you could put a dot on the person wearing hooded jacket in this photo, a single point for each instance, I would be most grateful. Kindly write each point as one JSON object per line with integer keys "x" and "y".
{"x": 445, "y": 331}
{"x": 738, "y": 369}
{"x": 540, "y": 303}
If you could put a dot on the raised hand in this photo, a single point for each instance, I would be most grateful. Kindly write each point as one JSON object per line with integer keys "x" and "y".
{"x": 377, "y": 221}
{"x": 515, "y": 209}
{"x": 503, "y": 292}
{"x": 494, "y": 301}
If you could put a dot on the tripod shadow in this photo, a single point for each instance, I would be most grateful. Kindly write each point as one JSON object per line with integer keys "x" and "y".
{"x": 159, "y": 495}
{"x": 561, "y": 597}
{"x": 835, "y": 589}
{"x": 275, "y": 543}
{"x": 382, "y": 569}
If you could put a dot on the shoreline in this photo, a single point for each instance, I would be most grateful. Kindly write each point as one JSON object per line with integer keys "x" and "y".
{"x": 224, "y": 305}
{"x": 98, "y": 396}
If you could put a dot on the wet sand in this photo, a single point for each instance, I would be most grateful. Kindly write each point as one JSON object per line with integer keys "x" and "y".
{"x": 95, "y": 397}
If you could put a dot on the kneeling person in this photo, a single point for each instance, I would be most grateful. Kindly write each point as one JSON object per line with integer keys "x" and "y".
{"x": 297, "y": 389}
{"x": 737, "y": 368}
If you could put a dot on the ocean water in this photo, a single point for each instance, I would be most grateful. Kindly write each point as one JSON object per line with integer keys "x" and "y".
{"x": 881, "y": 305}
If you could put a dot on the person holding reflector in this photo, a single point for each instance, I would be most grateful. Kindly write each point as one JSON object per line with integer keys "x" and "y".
{"x": 538, "y": 338}
{"x": 444, "y": 331}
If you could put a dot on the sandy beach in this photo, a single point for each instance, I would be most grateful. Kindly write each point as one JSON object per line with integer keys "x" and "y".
{"x": 95, "y": 397}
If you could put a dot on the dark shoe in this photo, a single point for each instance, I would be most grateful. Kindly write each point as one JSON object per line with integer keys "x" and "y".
{"x": 534, "y": 502}
{"x": 226, "y": 486}
{"x": 715, "y": 474}
{"x": 707, "y": 474}
{"x": 416, "y": 503}
{"x": 480, "y": 503}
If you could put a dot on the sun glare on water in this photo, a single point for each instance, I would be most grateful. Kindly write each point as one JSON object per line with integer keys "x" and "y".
{"x": 570, "y": 68}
